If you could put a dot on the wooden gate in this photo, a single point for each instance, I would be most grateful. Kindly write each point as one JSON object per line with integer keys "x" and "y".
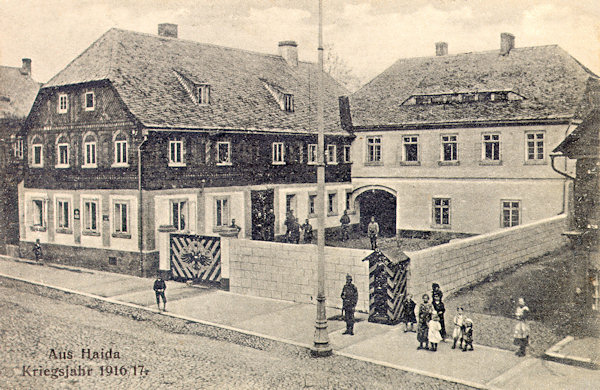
{"x": 387, "y": 287}
{"x": 196, "y": 258}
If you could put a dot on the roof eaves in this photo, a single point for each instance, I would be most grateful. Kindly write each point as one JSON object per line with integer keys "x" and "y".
{"x": 559, "y": 119}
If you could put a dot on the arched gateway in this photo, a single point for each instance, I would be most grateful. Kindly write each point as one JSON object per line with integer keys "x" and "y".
{"x": 379, "y": 202}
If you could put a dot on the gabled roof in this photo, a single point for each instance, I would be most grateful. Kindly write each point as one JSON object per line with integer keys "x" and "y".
{"x": 17, "y": 92}
{"x": 548, "y": 78}
{"x": 144, "y": 70}
{"x": 584, "y": 141}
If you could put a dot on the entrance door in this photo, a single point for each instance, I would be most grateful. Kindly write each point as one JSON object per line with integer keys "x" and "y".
{"x": 263, "y": 217}
{"x": 381, "y": 205}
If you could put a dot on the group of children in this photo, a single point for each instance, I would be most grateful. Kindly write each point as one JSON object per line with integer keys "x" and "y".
{"x": 431, "y": 328}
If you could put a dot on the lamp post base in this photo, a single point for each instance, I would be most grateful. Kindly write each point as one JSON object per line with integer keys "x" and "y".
{"x": 321, "y": 347}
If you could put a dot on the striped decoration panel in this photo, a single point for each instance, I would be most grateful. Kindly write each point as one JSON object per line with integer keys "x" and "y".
{"x": 387, "y": 288}
{"x": 196, "y": 258}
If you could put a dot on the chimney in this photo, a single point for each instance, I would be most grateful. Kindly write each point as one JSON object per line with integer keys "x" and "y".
{"x": 288, "y": 50}
{"x": 167, "y": 30}
{"x": 345, "y": 115}
{"x": 26, "y": 67}
{"x": 441, "y": 48}
{"x": 507, "y": 43}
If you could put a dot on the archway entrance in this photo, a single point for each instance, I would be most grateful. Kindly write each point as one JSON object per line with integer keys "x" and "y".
{"x": 381, "y": 205}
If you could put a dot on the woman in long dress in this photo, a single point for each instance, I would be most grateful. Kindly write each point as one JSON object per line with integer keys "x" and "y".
{"x": 424, "y": 315}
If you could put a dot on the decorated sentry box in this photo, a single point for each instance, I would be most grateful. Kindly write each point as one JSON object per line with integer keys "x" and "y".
{"x": 195, "y": 258}
{"x": 388, "y": 279}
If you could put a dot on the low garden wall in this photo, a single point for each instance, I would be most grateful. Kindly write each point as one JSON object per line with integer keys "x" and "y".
{"x": 464, "y": 262}
{"x": 289, "y": 271}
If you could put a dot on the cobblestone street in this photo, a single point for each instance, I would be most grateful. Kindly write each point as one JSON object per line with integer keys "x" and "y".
{"x": 35, "y": 325}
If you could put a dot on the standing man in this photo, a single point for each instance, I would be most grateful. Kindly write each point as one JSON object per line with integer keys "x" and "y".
{"x": 349, "y": 299}
{"x": 159, "y": 289}
{"x": 308, "y": 232}
{"x": 289, "y": 224}
{"x": 269, "y": 227}
{"x": 37, "y": 250}
{"x": 345, "y": 221}
{"x": 373, "y": 231}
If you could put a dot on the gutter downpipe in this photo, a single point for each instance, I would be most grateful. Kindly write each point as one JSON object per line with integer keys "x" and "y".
{"x": 140, "y": 209}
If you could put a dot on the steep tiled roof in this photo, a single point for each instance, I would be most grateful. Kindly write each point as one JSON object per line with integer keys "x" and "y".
{"x": 17, "y": 92}
{"x": 550, "y": 80}
{"x": 147, "y": 70}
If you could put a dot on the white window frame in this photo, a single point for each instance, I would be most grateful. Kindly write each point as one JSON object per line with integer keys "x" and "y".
{"x": 120, "y": 149}
{"x": 288, "y": 102}
{"x": 511, "y": 209}
{"x": 440, "y": 224}
{"x": 312, "y": 158}
{"x": 176, "y": 153}
{"x": 90, "y": 154}
{"x": 291, "y": 203}
{"x": 39, "y": 147}
{"x": 117, "y": 225}
{"x": 331, "y": 154}
{"x": 332, "y": 207}
{"x": 450, "y": 140}
{"x": 88, "y": 216}
{"x": 226, "y": 161}
{"x": 63, "y": 108}
{"x": 278, "y": 153}
{"x": 183, "y": 209}
{"x": 59, "y": 155}
{"x": 347, "y": 154}
{"x": 85, "y": 101}
{"x": 374, "y": 149}
{"x": 491, "y": 141}
{"x": 410, "y": 139}
{"x": 43, "y": 210}
{"x": 63, "y": 222}
{"x": 312, "y": 205}
{"x": 348, "y": 201}
{"x": 18, "y": 145}
{"x": 203, "y": 94}
{"x": 536, "y": 145}
{"x": 225, "y": 212}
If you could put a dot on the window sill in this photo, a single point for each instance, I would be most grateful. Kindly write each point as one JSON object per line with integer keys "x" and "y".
{"x": 36, "y": 166}
{"x": 60, "y": 166}
{"x": 332, "y": 213}
{"x": 89, "y": 166}
{"x": 176, "y": 164}
{"x": 312, "y": 163}
{"x": 373, "y": 163}
{"x": 62, "y": 112}
{"x": 167, "y": 229}
{"x": 90, "y": 233}
{"x": 220, "y": 229}
{"x": 535, "y": 162}
{"x": 119, "y": 166}
{"x": 490, "y": 162}
{"x": 351, "y": 212}
{"x": 37, "y": 228}
{"x": 332, "y": 163}
{"x": 278, "y": 163}
{"x": 449, "y": 163}
{"x": 64, "y": 231}
{"x": 121, "y": 235}
{"x": 224, "y": 164}
{"x": 312, "y": 216}
{"x": 445, "y": 227}
{"x": 90, "y": 108}
{"x": 410, "y": 163}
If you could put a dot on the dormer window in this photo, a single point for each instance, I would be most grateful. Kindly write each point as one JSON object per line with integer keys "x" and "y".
{"x": 204, "y": 94}
{"x": 463, "y": 97}
{"x": 288, "y": 102}
{"x": 63, "y": 103}
{"x": 90, "y": 101}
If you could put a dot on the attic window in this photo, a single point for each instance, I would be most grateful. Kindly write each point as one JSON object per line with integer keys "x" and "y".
{"x": 288, "y": 102}
{"x": 463, "y": 97}
{"x": 204, "y": 94}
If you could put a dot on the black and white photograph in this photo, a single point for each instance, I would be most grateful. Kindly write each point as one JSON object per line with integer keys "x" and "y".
{"x": 310, "y": 194}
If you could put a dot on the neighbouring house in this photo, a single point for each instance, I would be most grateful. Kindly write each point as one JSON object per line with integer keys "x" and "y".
{"x": 142, "y": 135}
{"x": 461, "y": 142}
{"x": 583, "y": 144}
{"x": 17, "y": 93}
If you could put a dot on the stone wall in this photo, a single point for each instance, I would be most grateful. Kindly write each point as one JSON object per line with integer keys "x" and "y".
{"x": 461, "y": 263}
{"x": 289, "y": 271}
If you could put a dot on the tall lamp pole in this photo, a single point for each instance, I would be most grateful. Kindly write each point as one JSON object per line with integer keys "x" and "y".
{"x": 321, "y": 345}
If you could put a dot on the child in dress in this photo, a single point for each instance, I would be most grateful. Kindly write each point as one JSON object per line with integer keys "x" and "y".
{"x": 434, "y": 332}
{"x": 457, "y": 333}
{"x": 439, "y": 308}
{"x": 468, "y": 335}
{"x": 521, "y": 332}
{"x": 408, "y": 315}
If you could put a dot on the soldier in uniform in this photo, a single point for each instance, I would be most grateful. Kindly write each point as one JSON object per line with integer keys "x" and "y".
{"x": 345, "y": 221}
{"x": 308, "y": 232}
{"x": 159, "y": 290}
{"x": 373, "y": 232}
{"x": 349, "y": 299}
{"x": 37, "y": 250}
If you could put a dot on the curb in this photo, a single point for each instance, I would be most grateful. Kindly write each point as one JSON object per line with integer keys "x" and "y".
{"x": 241, "y": 332}
{"x": 553, "y": 354}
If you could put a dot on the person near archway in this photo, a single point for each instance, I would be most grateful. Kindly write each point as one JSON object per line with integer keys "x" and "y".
{"x": 373, "y": 232}
{"x": 345, "y": 221}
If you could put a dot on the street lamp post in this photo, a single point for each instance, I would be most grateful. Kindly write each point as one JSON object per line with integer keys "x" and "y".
{"x": 321, "y": 345}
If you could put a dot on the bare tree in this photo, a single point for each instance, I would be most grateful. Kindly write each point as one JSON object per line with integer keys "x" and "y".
{"x": 339, "y": 69}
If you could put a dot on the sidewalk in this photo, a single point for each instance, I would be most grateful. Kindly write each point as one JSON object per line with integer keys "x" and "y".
{"x": 485, "y": 367}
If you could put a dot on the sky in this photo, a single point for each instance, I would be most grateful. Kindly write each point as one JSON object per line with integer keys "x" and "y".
{"x": 369, "y": 35}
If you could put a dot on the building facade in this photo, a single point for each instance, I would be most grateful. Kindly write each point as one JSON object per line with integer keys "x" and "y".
{"x": 460, "y": 143}
{"x": 142, "y": 136}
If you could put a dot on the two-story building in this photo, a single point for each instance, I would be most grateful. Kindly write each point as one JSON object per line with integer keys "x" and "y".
{"x": 143, "y": 135}
{"x": 17, "y": 93}
{"x": 460, "y": 143}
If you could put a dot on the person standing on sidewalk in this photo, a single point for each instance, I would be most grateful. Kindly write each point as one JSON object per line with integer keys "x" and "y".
{"x": 440, "y": 309}
{"x": 349, "y": 300}
{"x": 433, "y": 333}
{"x": 37, "y": 250}
{"x": 345, "y": 221}
{"x": 308, "y": 232}
{"x": 408, "y": 313}
{"x": 424, "y": 315}
{"x": 521, "y": 333}
{"x": 468, "y": 335}
{"x": 373, "y": 232}
{"x": 159, "y": 290}
{"x": 457, "y": 333}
